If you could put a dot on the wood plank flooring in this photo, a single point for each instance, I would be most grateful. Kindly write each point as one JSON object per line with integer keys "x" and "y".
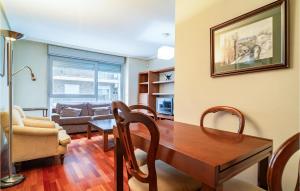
{"x": 86, "y": 168}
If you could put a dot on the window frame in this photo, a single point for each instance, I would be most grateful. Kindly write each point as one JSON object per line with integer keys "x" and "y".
{"x": 96, "y": 68}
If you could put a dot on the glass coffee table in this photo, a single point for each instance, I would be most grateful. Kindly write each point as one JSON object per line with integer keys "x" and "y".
{"x": 103, "y": 126}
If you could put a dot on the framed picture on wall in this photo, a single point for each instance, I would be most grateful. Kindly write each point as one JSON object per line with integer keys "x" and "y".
{"x": 2, "y": 56}
{"x": 255, "y": 41}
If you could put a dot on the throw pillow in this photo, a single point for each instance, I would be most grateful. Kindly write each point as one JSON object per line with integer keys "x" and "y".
{"x": 16, "y": 118}
{"x": 101, "y": 110}
{"x": 20, "y": 110}
{"x": 70, "y": 112}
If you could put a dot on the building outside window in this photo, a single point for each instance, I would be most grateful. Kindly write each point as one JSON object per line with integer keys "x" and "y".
{"x": 75, "y": 80}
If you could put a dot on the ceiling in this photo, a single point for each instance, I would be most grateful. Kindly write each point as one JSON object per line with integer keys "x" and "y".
{"x": 125, "y": 27}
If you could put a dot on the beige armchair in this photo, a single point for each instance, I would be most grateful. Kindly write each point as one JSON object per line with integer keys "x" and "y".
{"x": 33, "y": 121}
{"x": 34, "y": 139}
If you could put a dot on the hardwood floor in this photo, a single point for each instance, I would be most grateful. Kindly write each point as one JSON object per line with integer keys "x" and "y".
{"x": 86, "y": 167}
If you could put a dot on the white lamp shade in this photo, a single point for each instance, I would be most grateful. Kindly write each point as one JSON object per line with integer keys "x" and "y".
{"x": 165, "y": 52}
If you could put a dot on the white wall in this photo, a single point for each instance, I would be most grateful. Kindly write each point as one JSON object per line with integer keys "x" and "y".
{"x": 270, "y": 99}
{"x": 3, "y": 80}
{"x": 4, "y": 24}
{"x": 156, "y": 64}
{"x": 26, "y": 92}
{"x": 34, "y": 94}
{"x": 132, "y": 68}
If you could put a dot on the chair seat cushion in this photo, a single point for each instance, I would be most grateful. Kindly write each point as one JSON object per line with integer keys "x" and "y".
{"x": 141, "y": 157}
{"x": 168, "y": 179}
{"x": 63, "y": 137}
{"x": 238, "y": 185}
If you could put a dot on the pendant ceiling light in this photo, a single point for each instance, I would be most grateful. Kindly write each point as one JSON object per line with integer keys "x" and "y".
{"x": 165, "y": 52}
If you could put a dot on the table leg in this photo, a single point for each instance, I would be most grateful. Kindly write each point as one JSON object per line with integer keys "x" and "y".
{"x": 89, "y": 129}
{"x": 118, "y": 167}
{"x": 105, "y": 141}
{"x": 262, "y": 173}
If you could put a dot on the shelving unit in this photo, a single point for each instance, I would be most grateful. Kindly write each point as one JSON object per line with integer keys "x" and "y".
{"x": 152, "y": 84}
{"x": 163, "y": 82}
{"x": 163, "y": 94}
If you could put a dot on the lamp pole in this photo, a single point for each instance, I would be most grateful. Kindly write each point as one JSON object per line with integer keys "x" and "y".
{"x": 12, "y": 179}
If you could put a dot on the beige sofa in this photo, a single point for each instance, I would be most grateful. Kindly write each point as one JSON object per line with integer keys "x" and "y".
{"x": 79, "y": 124}
{"x": 34, "y": 137}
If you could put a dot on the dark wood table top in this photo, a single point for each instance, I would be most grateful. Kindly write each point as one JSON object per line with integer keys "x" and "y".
{"x": 216, "y": 147}
{"x": 212, "y": 156}
{"x": 104, "y": 124}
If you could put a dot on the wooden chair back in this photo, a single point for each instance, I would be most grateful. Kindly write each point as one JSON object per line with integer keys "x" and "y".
{"x": 279, "y": 161}
{"x": 124, "y": 117}
{"x": 144, "y": 107}
{"x": 227, "y": 109}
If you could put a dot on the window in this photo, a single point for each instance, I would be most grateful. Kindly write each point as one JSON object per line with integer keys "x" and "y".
{"x": 109, "y": 83}
{"x": 75, "y": 80}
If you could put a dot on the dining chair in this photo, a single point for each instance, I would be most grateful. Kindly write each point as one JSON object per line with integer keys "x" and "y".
{"x": 275, "y": 169}
{"x": 226, "y": 109}
{"x": 141, "y": 156}
{"x": 144, "y": 107}
{"x": 155, "y": 175}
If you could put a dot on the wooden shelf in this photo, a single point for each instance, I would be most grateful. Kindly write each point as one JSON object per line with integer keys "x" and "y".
{"x": 167, "y": 117}
{"x": 160, "y": 116}
{"x": 158, "y": 94}
{"x": 152, "y": 84}
{"x": 163, "y": 82}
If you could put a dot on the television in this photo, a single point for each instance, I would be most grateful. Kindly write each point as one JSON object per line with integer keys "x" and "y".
{"x": 164, "y": 105}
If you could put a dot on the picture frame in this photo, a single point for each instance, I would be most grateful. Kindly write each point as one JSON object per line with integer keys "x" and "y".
{"x": 255, "y": 41}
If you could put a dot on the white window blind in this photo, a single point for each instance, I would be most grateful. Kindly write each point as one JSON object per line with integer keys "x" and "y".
{"x": 74, "y": 80}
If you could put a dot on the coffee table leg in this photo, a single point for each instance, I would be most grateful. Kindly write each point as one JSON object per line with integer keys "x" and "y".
{"x": 89, "y": 129}
{"x": 105, "y": 141}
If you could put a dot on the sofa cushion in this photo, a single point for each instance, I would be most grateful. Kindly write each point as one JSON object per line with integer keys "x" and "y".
{"x": 74, "y": 120}
{"x": 70, "y": 112}
{"x": 102, "y": 117}
{"x": 90, "y": 107}
{"x": 38, "y": 123}
{"x": 101, "y": 110}
{"x": 82, "y": 106}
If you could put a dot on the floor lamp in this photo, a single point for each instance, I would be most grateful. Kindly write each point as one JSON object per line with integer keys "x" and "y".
{"x": 12, "y": 179}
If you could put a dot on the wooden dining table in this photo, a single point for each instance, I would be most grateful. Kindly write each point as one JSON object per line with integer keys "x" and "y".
{"x": 208, "y": 155}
